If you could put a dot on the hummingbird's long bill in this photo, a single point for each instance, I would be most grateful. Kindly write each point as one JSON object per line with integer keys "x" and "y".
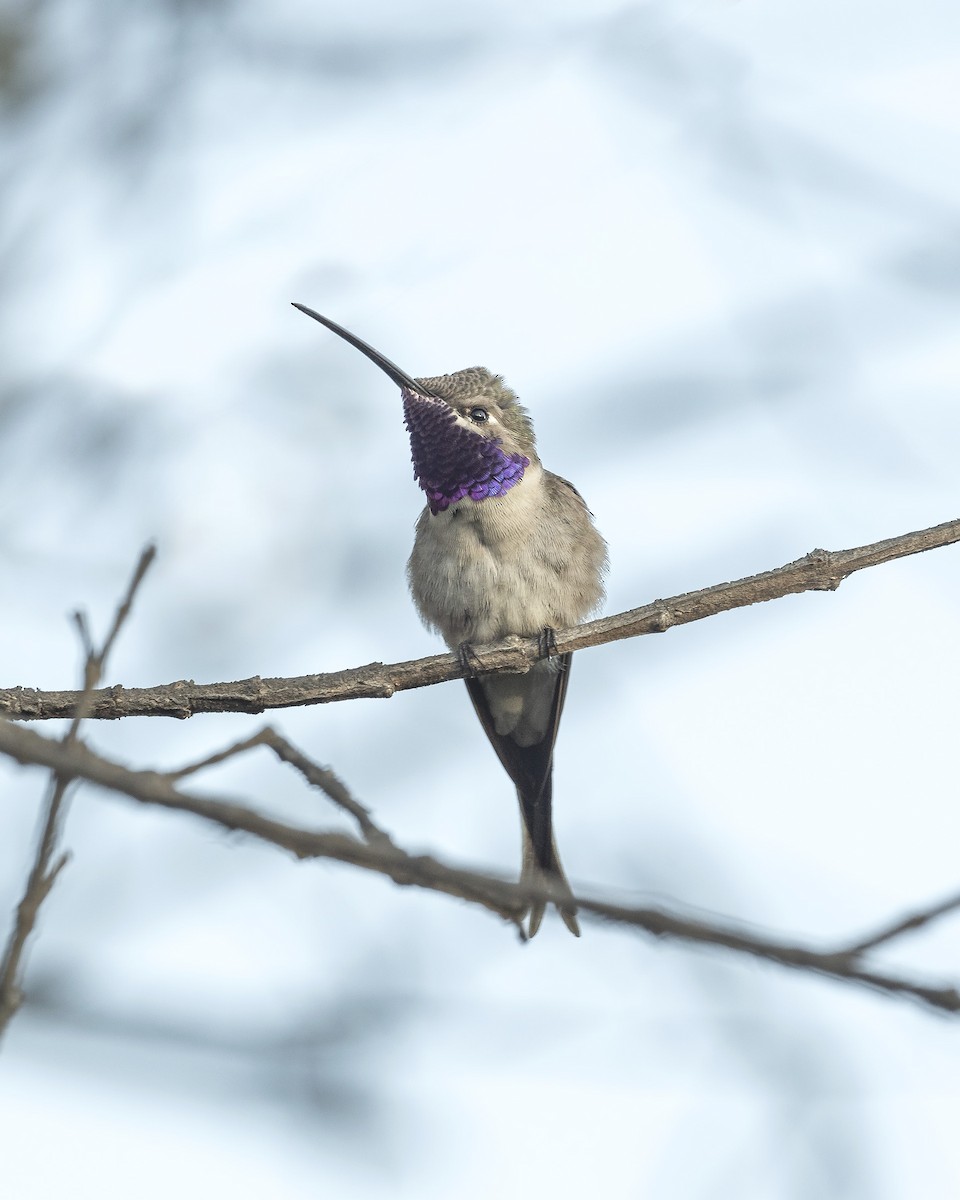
{"x": 391, "y": 370}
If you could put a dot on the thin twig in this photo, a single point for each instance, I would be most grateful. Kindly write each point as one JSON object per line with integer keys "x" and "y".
{"x": 907, "y": 924}
{"x": 214, "y": 760}
{"x": 150, "y": 787}
{"x": 329, "y": 783}
{"x": 317, "y": 776}
{"x": 820, "y": 570}
{"x": 39, "y": 882}
{"x": 147, "y": 556}
{"x": 508, "y": 900}
{"x": 42, "y": 875}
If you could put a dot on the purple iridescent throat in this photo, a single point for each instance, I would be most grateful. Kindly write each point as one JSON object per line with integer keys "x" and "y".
{"x": 450, "y": 461}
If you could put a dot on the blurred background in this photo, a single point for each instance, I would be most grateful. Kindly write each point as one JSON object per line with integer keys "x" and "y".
{"x": 715, "y": 247}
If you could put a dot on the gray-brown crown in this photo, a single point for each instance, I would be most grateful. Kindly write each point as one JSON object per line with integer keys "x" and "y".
{"x": 469, "y": 384}
{"x": 477, "y": 385}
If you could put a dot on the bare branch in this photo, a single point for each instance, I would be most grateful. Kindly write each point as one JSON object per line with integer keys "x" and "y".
{"x": 150, "y": 787}
{"x": 39, "y": 884}
{"x": 831, "y": 964}
{"x": 42, "y": 875}
{"x": 317, "y": 776}
{"x": 69, "y": 759}
{"x": 83, "y": 633}
{"x": 508, "y": 900}
{"x": 148, "y": 554}
{"x": 906, "y": 924}
{"x": 820, "y": 570}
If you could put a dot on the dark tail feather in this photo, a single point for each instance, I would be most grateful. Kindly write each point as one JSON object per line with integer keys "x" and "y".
{"x": 541, "y": 866}
{"x": 531, "y": 769}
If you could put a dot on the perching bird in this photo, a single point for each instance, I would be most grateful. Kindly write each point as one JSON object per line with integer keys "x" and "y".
{"x": 503, "y": 547}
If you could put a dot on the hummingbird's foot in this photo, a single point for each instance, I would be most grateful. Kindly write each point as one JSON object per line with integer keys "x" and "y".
{"x": 547, "y": 642}
{"x": 469, "y": 660}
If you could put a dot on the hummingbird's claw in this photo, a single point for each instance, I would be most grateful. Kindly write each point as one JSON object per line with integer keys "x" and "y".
{"x": 547, "y": 642}
{"x": 468, "y": 659}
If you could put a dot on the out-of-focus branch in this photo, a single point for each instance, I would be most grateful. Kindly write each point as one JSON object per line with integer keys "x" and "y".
{"x": 820, "y": 570}
{"x": 908, "y": 924}
{"x": 70, "y": 759}
{"x": 317, "y": 776}
{"x": 44, "y": 872}
{"x": 151, "y": 787}
{"x": 508, "y": 900}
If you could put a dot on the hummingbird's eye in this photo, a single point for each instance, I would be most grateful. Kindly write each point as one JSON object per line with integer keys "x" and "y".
{"x": 479, "y": 416}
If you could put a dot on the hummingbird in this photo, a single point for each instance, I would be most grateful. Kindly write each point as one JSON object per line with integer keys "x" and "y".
{"x": 503, "y": 547}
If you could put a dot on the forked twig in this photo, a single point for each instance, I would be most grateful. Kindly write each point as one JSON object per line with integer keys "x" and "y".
{"x": 508, "y": 900}
{"x": 317, "y": 776}
{"x": 43, "y": 875}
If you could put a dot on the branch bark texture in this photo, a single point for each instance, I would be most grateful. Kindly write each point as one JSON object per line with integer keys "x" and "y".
{"x": 820, "y": 570}
{"x": 381, "y": 855}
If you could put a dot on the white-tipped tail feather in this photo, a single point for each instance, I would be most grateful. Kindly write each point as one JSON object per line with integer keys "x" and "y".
{"x": 552, "y": 876}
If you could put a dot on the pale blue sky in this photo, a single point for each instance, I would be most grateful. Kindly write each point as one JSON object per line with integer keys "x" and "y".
{"x": 715, "y": 247}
